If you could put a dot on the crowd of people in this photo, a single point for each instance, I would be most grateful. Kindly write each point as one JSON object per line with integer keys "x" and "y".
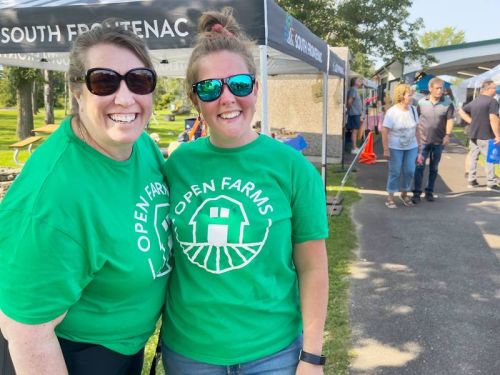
{"x": 415, "y": 133}
{"x": 100, "y": 236}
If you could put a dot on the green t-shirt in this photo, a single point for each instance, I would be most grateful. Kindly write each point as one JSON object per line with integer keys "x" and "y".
{"x": 89, "y": 235}
{"x": 236, "y": 214}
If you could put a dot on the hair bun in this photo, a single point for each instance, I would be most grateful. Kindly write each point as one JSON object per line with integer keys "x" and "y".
{"x": 217, "y": 28}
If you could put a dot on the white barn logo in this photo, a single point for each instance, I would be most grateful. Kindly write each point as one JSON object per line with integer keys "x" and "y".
{"x": 218, "y": 236}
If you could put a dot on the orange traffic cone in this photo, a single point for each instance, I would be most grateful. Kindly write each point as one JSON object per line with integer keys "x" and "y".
{"x": 368, "y": 156}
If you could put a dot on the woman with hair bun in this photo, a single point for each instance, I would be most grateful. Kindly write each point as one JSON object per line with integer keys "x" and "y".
{"x": 248, "y": 293}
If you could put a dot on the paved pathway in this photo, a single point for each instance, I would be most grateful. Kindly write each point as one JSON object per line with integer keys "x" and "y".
{"x": 425, "y": 289}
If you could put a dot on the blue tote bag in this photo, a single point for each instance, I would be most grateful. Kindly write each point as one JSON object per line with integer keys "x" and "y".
{"x": 493, "y": 155}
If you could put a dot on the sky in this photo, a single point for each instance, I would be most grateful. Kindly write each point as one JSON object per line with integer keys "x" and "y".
{"x": 475, "y": 17}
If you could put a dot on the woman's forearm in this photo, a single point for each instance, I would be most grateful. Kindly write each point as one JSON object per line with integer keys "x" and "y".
{"x": 34, "y": 349}
{"x": 311, "y": 261}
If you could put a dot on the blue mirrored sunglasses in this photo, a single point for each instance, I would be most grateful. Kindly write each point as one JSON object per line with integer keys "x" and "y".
{"x": 209, "y": 90}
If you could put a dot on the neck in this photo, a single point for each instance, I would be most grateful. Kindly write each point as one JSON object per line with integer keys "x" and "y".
{"x": 403, "y": 105}
{"x": 222, "y": 142}
{"x": 80, "y": 130}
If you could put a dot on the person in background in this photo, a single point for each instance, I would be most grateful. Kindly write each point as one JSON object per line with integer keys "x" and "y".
{"x": 354, "y": 111}
{"x": 249, "y": 288}
{"x": 84, "y": 245}
{"x": 435, "y": 124}
{"x": 482, "y": 115}
{"x": 400, "y": 142}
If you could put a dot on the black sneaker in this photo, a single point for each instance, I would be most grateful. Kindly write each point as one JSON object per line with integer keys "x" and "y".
{"x": 415, "y": 199}
{"x": 429, "y": 197}
{"x": 494, "y": 188}
{"x": 473, "y": 184}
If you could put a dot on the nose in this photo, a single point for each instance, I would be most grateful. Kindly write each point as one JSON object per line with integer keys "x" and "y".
{"x": 123, "y": 95}
{"x": 226, "y": 94}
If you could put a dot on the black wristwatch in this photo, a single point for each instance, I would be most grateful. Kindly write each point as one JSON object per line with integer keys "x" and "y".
{"x": 312, "y": 358}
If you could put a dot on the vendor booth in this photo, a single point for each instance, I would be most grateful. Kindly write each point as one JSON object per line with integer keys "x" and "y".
{"x": 40, "y": 36}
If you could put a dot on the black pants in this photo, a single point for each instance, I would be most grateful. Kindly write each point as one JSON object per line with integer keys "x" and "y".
{"x": 6, "y": 367}
{"x": 91, "y": 359}
{"x": 84, "y": 359}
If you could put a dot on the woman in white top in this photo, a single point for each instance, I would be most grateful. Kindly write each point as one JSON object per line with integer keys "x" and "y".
{"x": 400, "y": 141}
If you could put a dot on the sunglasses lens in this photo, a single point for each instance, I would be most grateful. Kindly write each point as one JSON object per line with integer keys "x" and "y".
{"x": 241, "y": 84}
{"x": 141, "y": 81}
{"x": 209, "y": 89}
{"x": 102, "y": 82}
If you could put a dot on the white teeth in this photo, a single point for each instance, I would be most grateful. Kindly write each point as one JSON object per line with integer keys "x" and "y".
{"x": 122, "y": 117}
{"x": 230, "y": 115}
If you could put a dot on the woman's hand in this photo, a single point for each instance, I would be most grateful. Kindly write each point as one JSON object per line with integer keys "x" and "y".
{"x": 387, "y": 153}
{"x": 420, "y": 159}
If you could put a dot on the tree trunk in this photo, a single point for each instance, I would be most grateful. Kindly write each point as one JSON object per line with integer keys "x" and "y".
{"x": 33, "y": 99}
{"x": 24, "y": 110}
{"x": 48, "y": 96}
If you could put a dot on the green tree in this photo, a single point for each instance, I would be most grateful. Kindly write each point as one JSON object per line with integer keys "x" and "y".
{"x": 22, "y": 79}
{"x": 371, "y": 27}
{"x": 446, "y": 36}
{"x": 363, "y": 65}
{"x": 171, "y": 91}
{"x": 7, "y": 91}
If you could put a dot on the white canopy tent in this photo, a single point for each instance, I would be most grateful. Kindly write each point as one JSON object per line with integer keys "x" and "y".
{"x": 475, "y": 82}
{"x": 39, "y": 33}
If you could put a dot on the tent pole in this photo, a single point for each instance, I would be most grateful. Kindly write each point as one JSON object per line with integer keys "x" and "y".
{"x": 324, "y": 134}
{"x": 263, "y": 89}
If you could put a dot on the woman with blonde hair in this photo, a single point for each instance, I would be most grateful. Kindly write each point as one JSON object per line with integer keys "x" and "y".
{"x": 401, "y": 144}
{"x": 249, "y": 289}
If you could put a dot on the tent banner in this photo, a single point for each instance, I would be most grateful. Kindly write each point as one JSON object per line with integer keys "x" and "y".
{"x": 289, "y": 36}
{"x": 163, "y": 24}
{"x": 336, "y": 65}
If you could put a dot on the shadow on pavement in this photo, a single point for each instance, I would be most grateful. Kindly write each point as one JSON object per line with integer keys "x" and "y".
{"x": 425, "y": 289}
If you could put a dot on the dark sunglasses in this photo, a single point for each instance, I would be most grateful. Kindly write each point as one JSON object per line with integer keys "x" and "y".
{"x": 209, "y": 90}
{"x": 104, "y": 81}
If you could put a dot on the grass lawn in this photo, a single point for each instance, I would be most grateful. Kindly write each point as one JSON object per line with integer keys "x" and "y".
{"x": 340, "y": 244}
{"x": 167, "y": 130}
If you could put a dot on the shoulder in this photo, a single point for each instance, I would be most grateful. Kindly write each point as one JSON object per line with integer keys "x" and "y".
{"x": 423, "y": 101}
{"x": 186, "y": 151}
{"x": 393, "y": 111}
{"x": 283, "y": 156}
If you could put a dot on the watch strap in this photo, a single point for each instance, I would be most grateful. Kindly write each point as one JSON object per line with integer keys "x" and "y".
{"x": 312, "y": 358}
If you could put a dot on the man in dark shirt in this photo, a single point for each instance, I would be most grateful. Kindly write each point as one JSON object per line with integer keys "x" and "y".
{"x": 482, "y": 115}
{"x": 435, "y": 124}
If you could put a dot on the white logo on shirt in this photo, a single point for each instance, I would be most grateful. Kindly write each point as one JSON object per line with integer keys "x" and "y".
{"x": 218, "y": 241}
{"x": 149, "y": 214}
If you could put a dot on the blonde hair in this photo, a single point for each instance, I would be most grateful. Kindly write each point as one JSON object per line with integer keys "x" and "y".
{"x": 400, "y": 91}
{"x": 218, "y": 31}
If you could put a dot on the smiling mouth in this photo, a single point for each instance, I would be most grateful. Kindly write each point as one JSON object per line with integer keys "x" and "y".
{"x": 123, "y": 118}
{"x": 229, "y": 115}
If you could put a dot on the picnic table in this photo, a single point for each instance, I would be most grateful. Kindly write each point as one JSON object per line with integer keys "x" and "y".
{"x": 30, "y": 141}
{"x": 27, "y": 142}
{"x": 47, "y": 129}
